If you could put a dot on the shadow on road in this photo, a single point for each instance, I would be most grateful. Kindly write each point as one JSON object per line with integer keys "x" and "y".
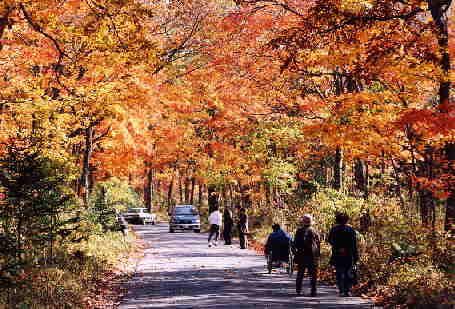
{"x": 249, "y": 287}
{"x": 179, "y": 271}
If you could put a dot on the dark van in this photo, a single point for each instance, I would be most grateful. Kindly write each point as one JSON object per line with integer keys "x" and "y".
{"x": 185, "y": 217}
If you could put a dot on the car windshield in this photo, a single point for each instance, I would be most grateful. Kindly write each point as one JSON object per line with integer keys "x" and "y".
{"x": 137, "y": 210}
{"x": 185, "y": 211}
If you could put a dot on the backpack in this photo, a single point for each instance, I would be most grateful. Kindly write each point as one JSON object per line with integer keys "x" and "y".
{"x": 316, "y": 243}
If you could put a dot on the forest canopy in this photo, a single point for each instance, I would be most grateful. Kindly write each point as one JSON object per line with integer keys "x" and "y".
{"x": 261, "y": 104}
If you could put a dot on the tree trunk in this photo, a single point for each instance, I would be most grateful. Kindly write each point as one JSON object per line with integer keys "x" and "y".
{"x": 361, "y": 177}
{"x": 223, "y": 196}
{"x": 187, "y": 189}
{"x": 92, "y": 179}
{"x": 439, "y": 11}
{"x": 231, "y": 197}
{"x": 338, "y": 160}
{"x": 426, "y": 203}
{"x": 193, "y": 184}
{"x": 4, "y": 23}
{"x": 19, "y": 237}
{"x": 181, "y": 190}
{"x": 450, "y": 204}
{"x": 86, "y": 163}
{"x": 383, "y": 163}
{"x": 245, "y": 196}
{"x": 201, "y": 194}
{"x": 212, "y": 197}
{"x": 158, "y": 194}
{"x": 320, "y": 173}
{"x": 398, "y": 185}
{"x": 426, "y": 198}
{"x": 148, "y": 190}
{"x": 268, "y": 197}
{"x": 169, "y": 195}
{"x": 338, "y": 169}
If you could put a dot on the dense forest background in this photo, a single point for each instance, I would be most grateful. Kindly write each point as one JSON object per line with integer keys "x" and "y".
{"x": 281, "y": 107}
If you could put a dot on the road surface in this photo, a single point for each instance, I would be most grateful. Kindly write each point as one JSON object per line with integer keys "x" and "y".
{"x": 180, "y": 271}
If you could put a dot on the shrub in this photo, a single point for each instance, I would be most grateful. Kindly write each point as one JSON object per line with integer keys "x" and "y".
{"x": 69, "y": 281}
{"x": 401, "y": 261}
{"x": 109, "y": 198}
{"x": 39, "y": 210}
{"x": 419, "y": 285}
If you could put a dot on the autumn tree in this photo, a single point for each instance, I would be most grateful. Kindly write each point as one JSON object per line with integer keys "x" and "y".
{"x": 341, "y": 53}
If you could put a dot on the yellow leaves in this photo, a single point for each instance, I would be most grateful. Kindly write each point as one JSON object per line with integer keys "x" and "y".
{"x": 356, "y": 6}
{"x": 423, "y": 5}
{"x": 6, "y": 4}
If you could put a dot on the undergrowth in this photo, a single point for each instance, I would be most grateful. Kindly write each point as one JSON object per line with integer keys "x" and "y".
{"x": 67, "y": 280}
{"x": 403, "y": 264}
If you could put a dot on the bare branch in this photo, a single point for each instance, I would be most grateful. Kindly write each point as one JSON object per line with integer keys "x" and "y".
{"x": 98, "y": 138}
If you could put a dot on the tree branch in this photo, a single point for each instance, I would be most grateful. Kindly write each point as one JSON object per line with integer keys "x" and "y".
{"x": 38, "y": 29}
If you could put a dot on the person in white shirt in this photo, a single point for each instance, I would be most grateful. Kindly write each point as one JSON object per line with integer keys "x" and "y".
{"x": 215, "y": 224}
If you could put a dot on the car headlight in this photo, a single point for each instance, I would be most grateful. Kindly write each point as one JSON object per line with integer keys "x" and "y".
{"x": 196, "y": 221}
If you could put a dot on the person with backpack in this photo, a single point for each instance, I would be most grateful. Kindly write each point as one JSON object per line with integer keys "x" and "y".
{"x": 307, "y": 247}
{"x": 345, "y": 254}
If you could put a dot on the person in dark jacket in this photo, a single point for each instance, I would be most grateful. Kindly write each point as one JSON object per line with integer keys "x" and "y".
{"x": 243, "y": 228}
{"x": 307, "y": 251}
{"x": 123, "y": 225}
{"x": 228, "y": 224}
{"x": 345, "y": 255}
{"x": 278, "y": 244}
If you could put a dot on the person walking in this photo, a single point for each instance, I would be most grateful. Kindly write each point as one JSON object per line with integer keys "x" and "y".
{"x": 345, "y": 255}
{"x": 215, "y": 224}
{"x": 228, "y": 224}
{"x": 307, "y": 249}
{"x": 123, "y": 224}
{"x": 243, "y": 228}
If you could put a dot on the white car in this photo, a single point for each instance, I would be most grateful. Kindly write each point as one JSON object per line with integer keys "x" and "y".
{"x": 139, "y": 215}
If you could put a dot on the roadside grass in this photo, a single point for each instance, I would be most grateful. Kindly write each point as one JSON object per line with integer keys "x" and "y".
{"x": 161, "y": 215}
{"x": 82, "y": 276}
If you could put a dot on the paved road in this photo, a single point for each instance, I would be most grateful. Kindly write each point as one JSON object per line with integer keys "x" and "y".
{"x": 180, "y": 271}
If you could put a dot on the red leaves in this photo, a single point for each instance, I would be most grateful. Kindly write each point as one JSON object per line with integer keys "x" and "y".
{"x": 256, "y": 246}
{"x": 439, "y": 187}
{"x": 430, "y": 121}
{"x": 107, "y": 292}
{"x": 232, "y": 21}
